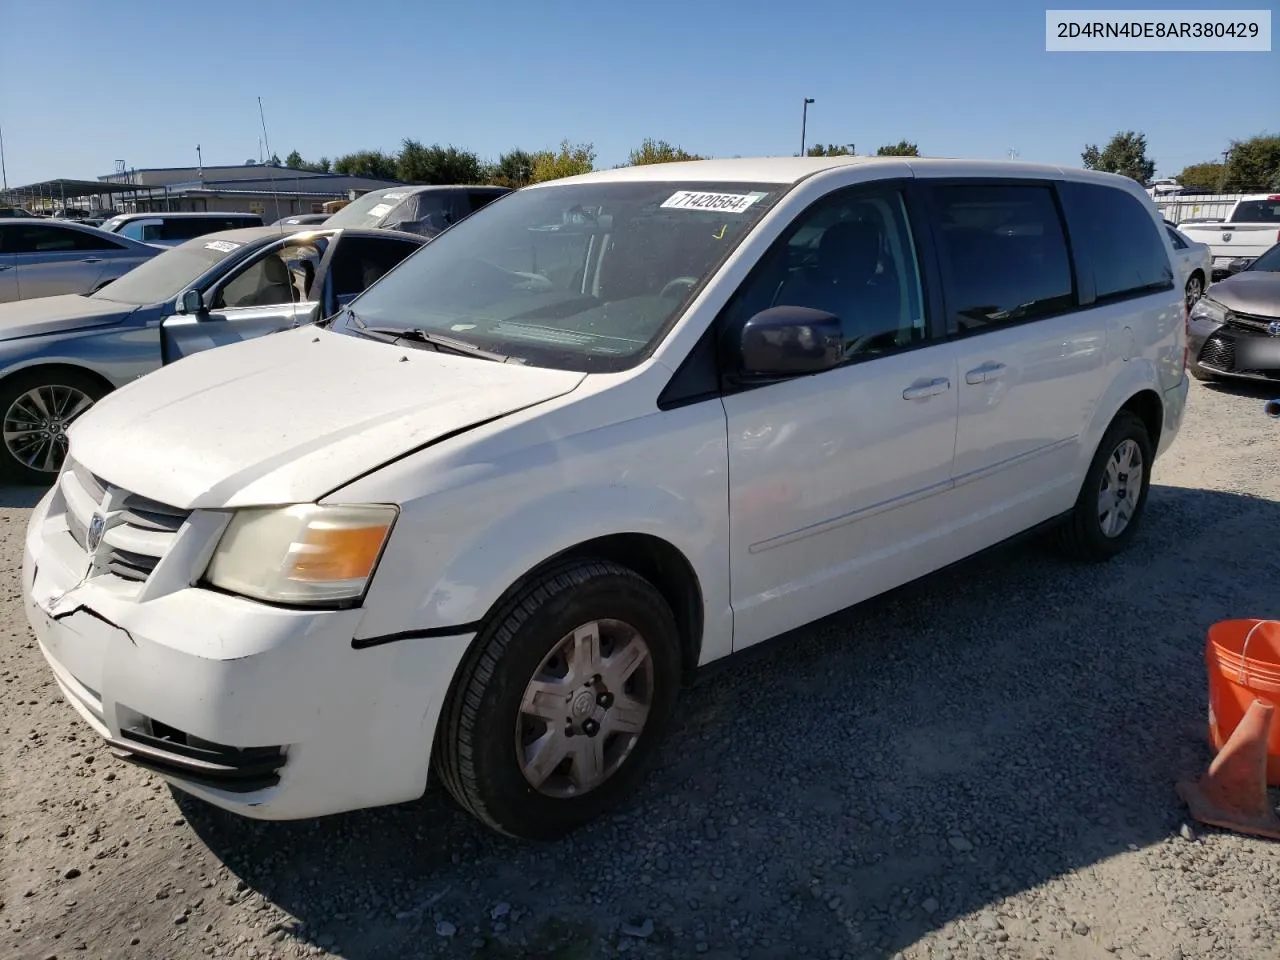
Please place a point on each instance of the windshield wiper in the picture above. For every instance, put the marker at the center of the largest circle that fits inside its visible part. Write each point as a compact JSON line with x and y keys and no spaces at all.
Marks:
{"x":443,"y":344}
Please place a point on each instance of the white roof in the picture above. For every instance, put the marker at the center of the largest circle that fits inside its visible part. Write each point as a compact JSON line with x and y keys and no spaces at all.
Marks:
{"x":785,"y":170}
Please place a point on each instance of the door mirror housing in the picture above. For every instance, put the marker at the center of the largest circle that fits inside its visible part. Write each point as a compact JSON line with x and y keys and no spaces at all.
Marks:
{"x":191,"y":302}
{"x":786,"y":342}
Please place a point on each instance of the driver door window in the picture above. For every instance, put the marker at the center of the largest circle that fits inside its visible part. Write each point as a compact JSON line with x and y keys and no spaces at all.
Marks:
{"x":283,"y":275}
{"x":852,"y":256}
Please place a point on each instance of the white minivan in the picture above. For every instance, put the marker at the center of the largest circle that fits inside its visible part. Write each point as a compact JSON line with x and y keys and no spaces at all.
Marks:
{"x":486,"y":520}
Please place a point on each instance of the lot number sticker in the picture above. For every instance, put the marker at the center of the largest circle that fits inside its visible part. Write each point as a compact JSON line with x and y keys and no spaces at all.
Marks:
{"x":716,"y":202}
{"x":222,"y":246}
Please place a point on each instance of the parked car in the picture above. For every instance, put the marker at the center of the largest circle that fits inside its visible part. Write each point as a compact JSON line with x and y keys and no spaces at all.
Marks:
{"x":12,"y":212}
{"x":44,"y":258}
{"x":1251,"y":227}
{"x":424,"y":210}
{"x":171,"y":229}
{"x":1235,"y":325}
{"x":1195,"y":262}
{"x":59,"y":355}
{"x":302,"y":218}
{"x":611,"y":428}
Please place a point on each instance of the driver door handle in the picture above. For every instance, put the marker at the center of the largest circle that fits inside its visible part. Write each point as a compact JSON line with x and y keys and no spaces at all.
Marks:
{"x":91,"y":260}
{"x":4,"y":267}
{"x":930,"y":388}
{"x":988,"y":371}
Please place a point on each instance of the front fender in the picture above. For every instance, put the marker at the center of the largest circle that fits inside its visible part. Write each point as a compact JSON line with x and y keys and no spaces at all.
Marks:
{"x":511,"y":544}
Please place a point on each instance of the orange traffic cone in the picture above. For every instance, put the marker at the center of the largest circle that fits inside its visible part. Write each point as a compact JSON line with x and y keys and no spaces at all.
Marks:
{"x":1233,"y":794}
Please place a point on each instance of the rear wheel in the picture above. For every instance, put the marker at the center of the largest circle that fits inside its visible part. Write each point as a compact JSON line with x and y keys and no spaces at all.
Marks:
{"x":38,"y":407}
{"x":1114,"y":495}
{"x":560,"y":705}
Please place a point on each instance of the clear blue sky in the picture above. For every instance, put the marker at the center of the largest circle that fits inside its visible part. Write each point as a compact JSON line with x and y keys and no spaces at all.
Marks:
{"x":84,"y":83}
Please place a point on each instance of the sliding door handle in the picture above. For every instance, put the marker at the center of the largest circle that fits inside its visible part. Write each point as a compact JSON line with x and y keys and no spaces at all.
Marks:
{"x":930,"y":388}
{"x":988,"y":371}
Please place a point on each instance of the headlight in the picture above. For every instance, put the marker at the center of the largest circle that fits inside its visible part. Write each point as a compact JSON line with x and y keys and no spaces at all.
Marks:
{"x":1206,"y":309}
{"x":307,"y":554}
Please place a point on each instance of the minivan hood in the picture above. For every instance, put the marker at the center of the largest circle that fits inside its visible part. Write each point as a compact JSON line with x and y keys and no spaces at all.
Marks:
{"x":1251,"y":291}
{"x":63,"y":314}
{"x":289,"y":417}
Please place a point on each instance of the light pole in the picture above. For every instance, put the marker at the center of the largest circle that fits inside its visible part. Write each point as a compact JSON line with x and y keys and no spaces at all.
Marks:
{"x":804,"y":122}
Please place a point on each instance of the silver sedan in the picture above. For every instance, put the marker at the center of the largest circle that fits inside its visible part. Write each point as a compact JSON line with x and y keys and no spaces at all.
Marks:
{"x":46,"y":258}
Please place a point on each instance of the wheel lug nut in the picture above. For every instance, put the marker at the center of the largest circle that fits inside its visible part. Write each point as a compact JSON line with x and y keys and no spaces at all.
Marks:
{"x":605,"y":699}
{"x":590,"y":728}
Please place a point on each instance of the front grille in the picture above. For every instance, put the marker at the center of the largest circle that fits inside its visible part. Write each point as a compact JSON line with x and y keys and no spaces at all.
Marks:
{"x":1218,"y":352}
{"x":139,"y":531}
{"x":1250,"y":322}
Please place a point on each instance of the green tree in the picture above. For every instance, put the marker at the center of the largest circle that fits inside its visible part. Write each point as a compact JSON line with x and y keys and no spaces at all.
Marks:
{"x":658,"y":151}
{"x":294,"y":160}
{"x":275,"y":160}
{"x":903,"y":148}
{"x":569,"y":161}
{"x":367,"y":163}
{"x":831,"y":150}
{"x":1210,"y":175}
{"x":1253,"y":165}
{"x":436,"y":164}
{"x":1125,"y":154}
{"x":514,"y":169}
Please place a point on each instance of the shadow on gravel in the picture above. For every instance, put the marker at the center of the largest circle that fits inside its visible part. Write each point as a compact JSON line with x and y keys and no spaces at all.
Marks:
{"x":868,"y":779}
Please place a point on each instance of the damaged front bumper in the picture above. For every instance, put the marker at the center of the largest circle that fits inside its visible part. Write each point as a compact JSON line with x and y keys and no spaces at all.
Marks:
{"x":265,"y":711}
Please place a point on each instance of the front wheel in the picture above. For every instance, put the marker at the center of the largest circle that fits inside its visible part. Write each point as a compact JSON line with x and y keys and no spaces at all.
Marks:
{"x":38,"y":407}
{"x":1114,"y":495}
{"x":1194,"y":289}
{"x":561,"y":703}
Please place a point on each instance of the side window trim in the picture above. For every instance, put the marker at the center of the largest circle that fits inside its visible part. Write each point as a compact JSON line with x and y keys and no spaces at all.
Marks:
{"x":1081,"y":276}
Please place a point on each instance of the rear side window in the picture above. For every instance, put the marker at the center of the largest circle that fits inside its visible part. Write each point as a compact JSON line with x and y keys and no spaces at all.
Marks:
{"x":359,"y":262}
{"x":1127,"y":254}
{"x":39,"y":238}
{"x":1004,"y":253}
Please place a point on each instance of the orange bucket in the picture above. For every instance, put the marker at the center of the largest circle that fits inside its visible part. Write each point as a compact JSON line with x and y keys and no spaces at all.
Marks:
{"x":1244,"y":665}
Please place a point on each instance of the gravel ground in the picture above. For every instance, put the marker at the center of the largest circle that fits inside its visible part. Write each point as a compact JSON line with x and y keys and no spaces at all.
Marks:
{"x":981,"y":766}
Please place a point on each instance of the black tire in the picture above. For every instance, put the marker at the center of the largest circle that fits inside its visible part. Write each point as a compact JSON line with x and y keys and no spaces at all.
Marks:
{"x":1082,"y":536}
{"x":1201,"y":374}
{"x":13,"y":469}
{"x":1194,"y":289}
{"x":475,"y":751}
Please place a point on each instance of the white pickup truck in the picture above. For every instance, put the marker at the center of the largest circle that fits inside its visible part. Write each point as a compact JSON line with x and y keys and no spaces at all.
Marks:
{"x":1249,"y":230}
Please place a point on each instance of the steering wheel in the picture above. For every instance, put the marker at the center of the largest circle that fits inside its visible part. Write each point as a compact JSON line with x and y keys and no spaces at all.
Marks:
{"x":672,"y":285}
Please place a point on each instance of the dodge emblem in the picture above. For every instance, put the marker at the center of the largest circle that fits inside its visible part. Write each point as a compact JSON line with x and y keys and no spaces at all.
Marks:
{"x":1273,"y":328}
{"x":1226,"y":238}
{"x":96,"y":527}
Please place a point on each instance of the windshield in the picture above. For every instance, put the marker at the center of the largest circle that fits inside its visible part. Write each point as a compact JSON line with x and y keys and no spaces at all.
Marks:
{"x":584,"y":276}
{"x":368,"y":210}
{"x":1268,"y":262}
{"x":166,"y":276}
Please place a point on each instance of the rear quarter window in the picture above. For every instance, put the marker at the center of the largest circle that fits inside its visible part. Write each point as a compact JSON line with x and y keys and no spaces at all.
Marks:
{"x":1120,"y":240}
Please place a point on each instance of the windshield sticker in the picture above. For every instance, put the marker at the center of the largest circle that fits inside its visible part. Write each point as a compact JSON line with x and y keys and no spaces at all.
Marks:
{"x":398,"y":195}
{"x":722,"y":202}
{"x":222,"y":246}
{"x":380,"y":209}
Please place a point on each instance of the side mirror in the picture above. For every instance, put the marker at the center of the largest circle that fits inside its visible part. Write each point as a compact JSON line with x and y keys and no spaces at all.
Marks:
{"x":1238,"y":264}
{"x":788,"y":342}
{"x":190,"y":302}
